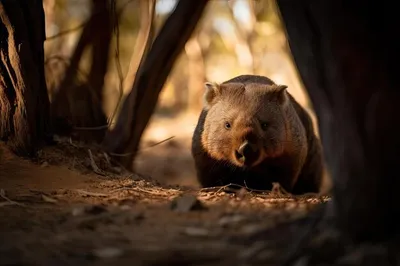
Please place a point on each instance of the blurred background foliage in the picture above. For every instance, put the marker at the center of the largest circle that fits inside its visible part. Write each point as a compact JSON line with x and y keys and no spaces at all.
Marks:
{"x":232,"y":38}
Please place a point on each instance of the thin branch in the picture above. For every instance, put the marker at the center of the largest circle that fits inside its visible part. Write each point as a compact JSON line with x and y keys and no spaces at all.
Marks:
{"x":150,"y":146}
{"x":117,"y":61}
{"x":142,"y":46}
{"x":142,"y":99}
{"x":9,"y":201}
{"x":62,"y":33}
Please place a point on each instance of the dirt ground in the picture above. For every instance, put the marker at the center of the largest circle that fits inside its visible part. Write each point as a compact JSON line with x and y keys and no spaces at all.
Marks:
{"x":71,"y":206}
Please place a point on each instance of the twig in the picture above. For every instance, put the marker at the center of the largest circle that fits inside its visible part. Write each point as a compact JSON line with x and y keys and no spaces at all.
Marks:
{"x":278,"y":190}
{"x":157,"y":143}
{"x":150,"y":146}
{"x":149,"y":191}
{"x":210,"y":189}
{"x":95,"y":168}
{"x":269,"y":192}
{"x":117,"y":62}
{"x":158,"y":192}
{"x":107,"y":158}
{"x":65,"y":32}
{"x":92,"y":128}
{"x":72,"y":144}
{"x":9,"y":201}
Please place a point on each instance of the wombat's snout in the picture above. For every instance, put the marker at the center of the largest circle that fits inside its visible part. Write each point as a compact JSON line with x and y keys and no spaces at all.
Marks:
{"x":247,"y":153}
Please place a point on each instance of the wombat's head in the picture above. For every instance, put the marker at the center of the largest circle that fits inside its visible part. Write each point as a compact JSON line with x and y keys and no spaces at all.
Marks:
{"x":245,"y":123}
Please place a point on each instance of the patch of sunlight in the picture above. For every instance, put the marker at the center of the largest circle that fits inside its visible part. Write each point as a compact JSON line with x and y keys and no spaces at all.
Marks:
{"x":165,"y":6}
{"x":266,"y":28}
{"x":224,"y":26}
{"x":241,"y":11}
{"x":158,"y":133}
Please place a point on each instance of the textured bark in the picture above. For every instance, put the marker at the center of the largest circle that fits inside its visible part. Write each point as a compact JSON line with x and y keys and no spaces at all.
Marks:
{"x":24,"y":103}
{"x":153,"y":71}
{"x":348,"y":59}
{"x":80,"y":104}
{"x":143,"y":41}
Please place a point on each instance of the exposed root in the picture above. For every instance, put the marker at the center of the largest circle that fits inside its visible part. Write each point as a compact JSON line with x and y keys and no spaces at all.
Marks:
{"x":95,"y":168}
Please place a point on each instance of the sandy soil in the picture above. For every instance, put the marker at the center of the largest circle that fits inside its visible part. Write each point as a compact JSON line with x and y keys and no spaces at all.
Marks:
{"x":73,"y":207}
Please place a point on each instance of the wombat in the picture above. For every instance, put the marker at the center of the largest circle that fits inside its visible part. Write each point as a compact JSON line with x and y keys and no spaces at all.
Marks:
{"x":252,"y":132}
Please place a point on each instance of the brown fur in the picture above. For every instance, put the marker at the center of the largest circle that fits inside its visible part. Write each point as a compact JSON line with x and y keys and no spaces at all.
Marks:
{"x":275,"y":132}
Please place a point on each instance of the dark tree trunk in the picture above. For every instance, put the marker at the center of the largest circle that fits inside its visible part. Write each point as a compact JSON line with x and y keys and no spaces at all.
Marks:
{"x":24,"y":103}
{"x":79,"y":104}
{"x":142,"y":46}
{"x":153,"y":71}
{"x":347,"y":53}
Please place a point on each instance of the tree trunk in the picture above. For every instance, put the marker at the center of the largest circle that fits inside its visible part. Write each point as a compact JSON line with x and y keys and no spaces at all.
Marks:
{"x":348,"y":59}
{"x":143,"y":41}
{"x":80,"y":104}
{"x":153,"y":71}
{"x":24,"y":103}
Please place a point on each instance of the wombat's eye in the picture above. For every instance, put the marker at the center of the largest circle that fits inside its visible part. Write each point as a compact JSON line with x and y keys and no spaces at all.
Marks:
{"x":227,"y":125}
{"x":264,"y":125}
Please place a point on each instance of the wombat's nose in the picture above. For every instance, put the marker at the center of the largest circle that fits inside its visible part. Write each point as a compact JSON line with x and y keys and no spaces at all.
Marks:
{"x":245,"y":151}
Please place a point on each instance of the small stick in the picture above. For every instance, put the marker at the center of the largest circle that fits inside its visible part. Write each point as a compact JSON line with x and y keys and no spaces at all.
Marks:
{"x":10,"y":202}
{"x":95,"y":168}
{"x":150,"y":146}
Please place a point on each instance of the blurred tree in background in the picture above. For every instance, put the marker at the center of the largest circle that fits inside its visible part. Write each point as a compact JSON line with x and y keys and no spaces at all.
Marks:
{"x":76,"y":102}
{"x":109,"y":64}
{"x":94,"y":49}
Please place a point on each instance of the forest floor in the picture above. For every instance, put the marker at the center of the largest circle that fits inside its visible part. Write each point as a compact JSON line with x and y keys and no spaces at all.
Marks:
{"x":70,"y":206}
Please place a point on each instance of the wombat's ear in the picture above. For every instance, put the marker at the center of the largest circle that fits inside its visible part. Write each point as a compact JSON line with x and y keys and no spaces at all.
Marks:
{"x":212,"y":90}
{"x":281,"y":94}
